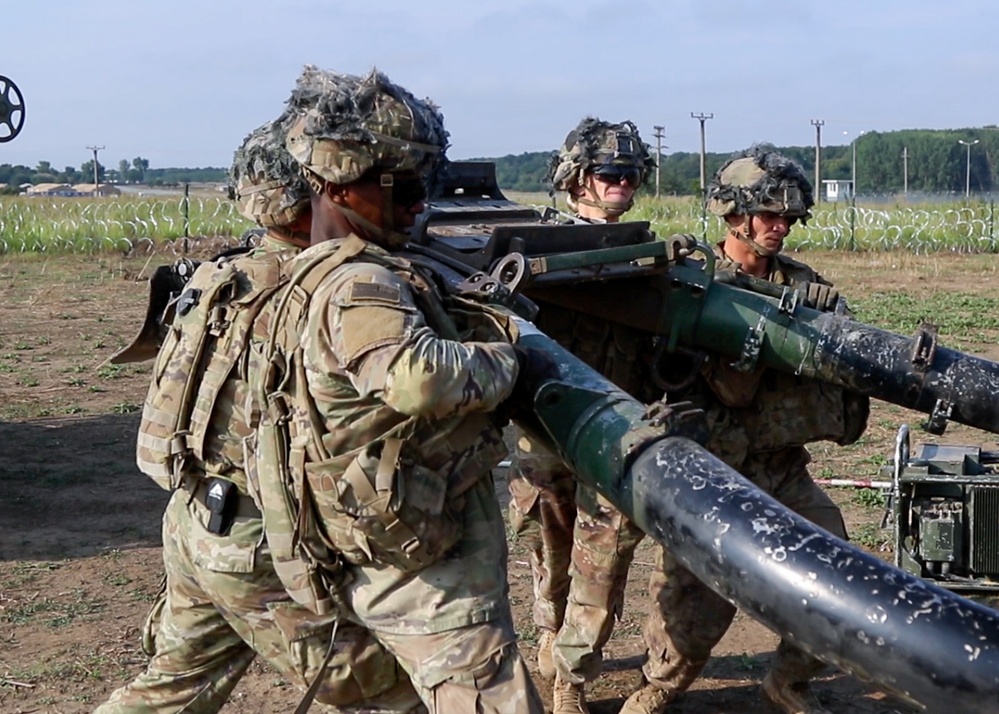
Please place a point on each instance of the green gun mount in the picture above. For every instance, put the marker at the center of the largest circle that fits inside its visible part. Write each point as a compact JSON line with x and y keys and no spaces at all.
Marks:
{"x":944,"y":508}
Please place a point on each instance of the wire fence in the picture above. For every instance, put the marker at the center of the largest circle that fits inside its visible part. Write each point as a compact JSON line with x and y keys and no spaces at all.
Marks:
{"x":870,"y":224}
{"x":124,"y":224}
{"x":172,"y":223}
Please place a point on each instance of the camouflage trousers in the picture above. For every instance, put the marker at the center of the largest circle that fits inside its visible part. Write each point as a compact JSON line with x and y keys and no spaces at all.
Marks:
{"x":689,"y":619}
{"x":222,"y":604}
{"x":449,"y":624}
{"x":581,"y":548}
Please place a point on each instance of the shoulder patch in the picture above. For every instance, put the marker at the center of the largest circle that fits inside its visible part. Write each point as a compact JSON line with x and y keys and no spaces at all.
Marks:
{"x":375,"y":292}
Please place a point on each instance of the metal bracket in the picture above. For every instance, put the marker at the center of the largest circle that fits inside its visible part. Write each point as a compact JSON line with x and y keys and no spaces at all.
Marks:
{"x":481,"y":286}
{"x":924,"y":347}
{"x":751,"y":347}
{"x":937,"y":423}
{"x":788,"y":301}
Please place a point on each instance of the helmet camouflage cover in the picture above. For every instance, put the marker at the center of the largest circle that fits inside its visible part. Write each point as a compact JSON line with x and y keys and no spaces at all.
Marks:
{"x":264,"y":179}
{"x":350,"y":125}
{"x":760,"y":180}
{"x":592,"y":143}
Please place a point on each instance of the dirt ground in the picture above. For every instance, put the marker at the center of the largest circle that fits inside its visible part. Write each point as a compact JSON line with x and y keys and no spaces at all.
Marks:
{"x":79,"y":526}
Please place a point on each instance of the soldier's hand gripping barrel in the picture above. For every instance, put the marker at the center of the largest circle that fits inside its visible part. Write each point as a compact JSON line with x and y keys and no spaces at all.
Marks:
{"x":847,"y":607}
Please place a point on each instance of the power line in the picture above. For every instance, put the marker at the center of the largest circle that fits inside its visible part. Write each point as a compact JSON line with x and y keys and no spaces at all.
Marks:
{"x":660,"y":134}
{"x":818,"y":124}
{"x":97,"y":186}
{"x":702,"y":117}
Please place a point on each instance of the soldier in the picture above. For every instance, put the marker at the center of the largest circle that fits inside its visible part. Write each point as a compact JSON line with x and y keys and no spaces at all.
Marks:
{"x":579,"y":562}
{"x":759,"y":424}
{"x":389,"y":395}
{"x":222,"y":602}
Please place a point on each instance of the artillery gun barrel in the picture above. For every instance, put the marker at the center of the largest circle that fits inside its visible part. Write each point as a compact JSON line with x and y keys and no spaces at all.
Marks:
{"x":846,"y":607}
{"x":688,"y":308}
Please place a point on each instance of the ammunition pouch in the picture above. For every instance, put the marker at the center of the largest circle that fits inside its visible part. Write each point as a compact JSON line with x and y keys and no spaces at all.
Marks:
{"x":375,"y":505}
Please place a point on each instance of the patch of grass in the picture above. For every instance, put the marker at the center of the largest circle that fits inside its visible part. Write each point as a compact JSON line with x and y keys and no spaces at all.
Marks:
{"x":973,"y":317}
{"x":872,"y":537}
{"x":23,"y":573}
{"x":869,"y":498}
{"x":125,"y":408}
{"x":110,"y":371}
{"x":74,"y":409}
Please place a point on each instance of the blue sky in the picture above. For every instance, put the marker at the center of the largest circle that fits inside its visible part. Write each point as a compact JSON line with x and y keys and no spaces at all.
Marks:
{"x":181,"y":82}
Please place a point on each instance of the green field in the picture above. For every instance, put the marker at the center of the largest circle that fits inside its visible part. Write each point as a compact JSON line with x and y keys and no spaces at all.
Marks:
{"x":127,"y":223}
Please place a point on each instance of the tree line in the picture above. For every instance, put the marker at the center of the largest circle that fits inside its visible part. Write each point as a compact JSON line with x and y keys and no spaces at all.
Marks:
{"x":136,"y":171}
{"x":921,"y":160}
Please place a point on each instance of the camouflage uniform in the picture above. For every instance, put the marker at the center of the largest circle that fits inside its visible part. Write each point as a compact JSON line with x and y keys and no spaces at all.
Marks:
{"x":222,"y":602}
{"x":400,"y":388}
{"x":580,"y":545}
{"x":759,"y":424}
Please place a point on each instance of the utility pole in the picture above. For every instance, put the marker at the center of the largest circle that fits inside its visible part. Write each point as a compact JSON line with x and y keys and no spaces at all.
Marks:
{"x":97,"y":186}
{"x":818,"y":123}
{"x":905,"y":170}
{"x":701,"y":117}
{"x":660,"y":134}
{"x":967,"y":174}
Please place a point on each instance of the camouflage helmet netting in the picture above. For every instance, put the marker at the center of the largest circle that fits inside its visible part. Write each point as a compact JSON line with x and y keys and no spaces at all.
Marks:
{"x":594,"y":142}
{"x":760,"y":179}
{"x":264,"y":180}
{"x":355,"y":124}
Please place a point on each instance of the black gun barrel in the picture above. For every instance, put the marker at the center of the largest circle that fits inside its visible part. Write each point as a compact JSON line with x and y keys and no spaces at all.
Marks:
{"x":850,"y":609}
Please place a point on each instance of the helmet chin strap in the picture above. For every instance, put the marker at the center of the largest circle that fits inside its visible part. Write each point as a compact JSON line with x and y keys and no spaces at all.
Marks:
{"x":385,"y":235}
{"x":387,"y":238}
{"x":745,"y":234}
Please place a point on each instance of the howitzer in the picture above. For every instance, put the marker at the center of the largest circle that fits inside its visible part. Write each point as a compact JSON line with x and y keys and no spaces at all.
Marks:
{"x":644,"y":285}
{"x":839,"y":603}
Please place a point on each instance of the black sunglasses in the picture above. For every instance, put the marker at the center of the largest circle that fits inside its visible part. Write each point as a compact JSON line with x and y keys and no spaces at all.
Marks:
{"x":617,"y":174}
{"x":408,"y":192}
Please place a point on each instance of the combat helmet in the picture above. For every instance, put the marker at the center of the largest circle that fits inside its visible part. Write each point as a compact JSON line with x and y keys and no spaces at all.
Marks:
{"x":592,"y":144}
{"x":355,"y":126}
{"x":264,"y":180}
{"x":760,"y":180}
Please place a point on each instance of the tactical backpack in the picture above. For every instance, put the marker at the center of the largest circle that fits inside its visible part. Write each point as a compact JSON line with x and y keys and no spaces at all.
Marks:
{"x":207,"y":337}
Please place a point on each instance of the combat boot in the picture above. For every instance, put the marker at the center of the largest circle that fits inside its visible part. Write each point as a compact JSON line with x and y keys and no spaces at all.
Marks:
{"x":568,"y":698}
{"x":790,"y":697}
{"x":546,"y":665}
{"x":649,"y":699}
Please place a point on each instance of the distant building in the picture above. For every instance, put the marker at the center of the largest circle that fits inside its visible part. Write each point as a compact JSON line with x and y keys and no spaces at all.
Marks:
{"x":51,"y":189}
{"x":87,"y":189}
{"x":834,"y":190}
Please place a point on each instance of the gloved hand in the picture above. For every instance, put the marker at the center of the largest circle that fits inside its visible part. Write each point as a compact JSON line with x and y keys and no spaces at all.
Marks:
{"x":680,"y":245}
{"x":535,"y":367}
{"x":818,"y":296}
